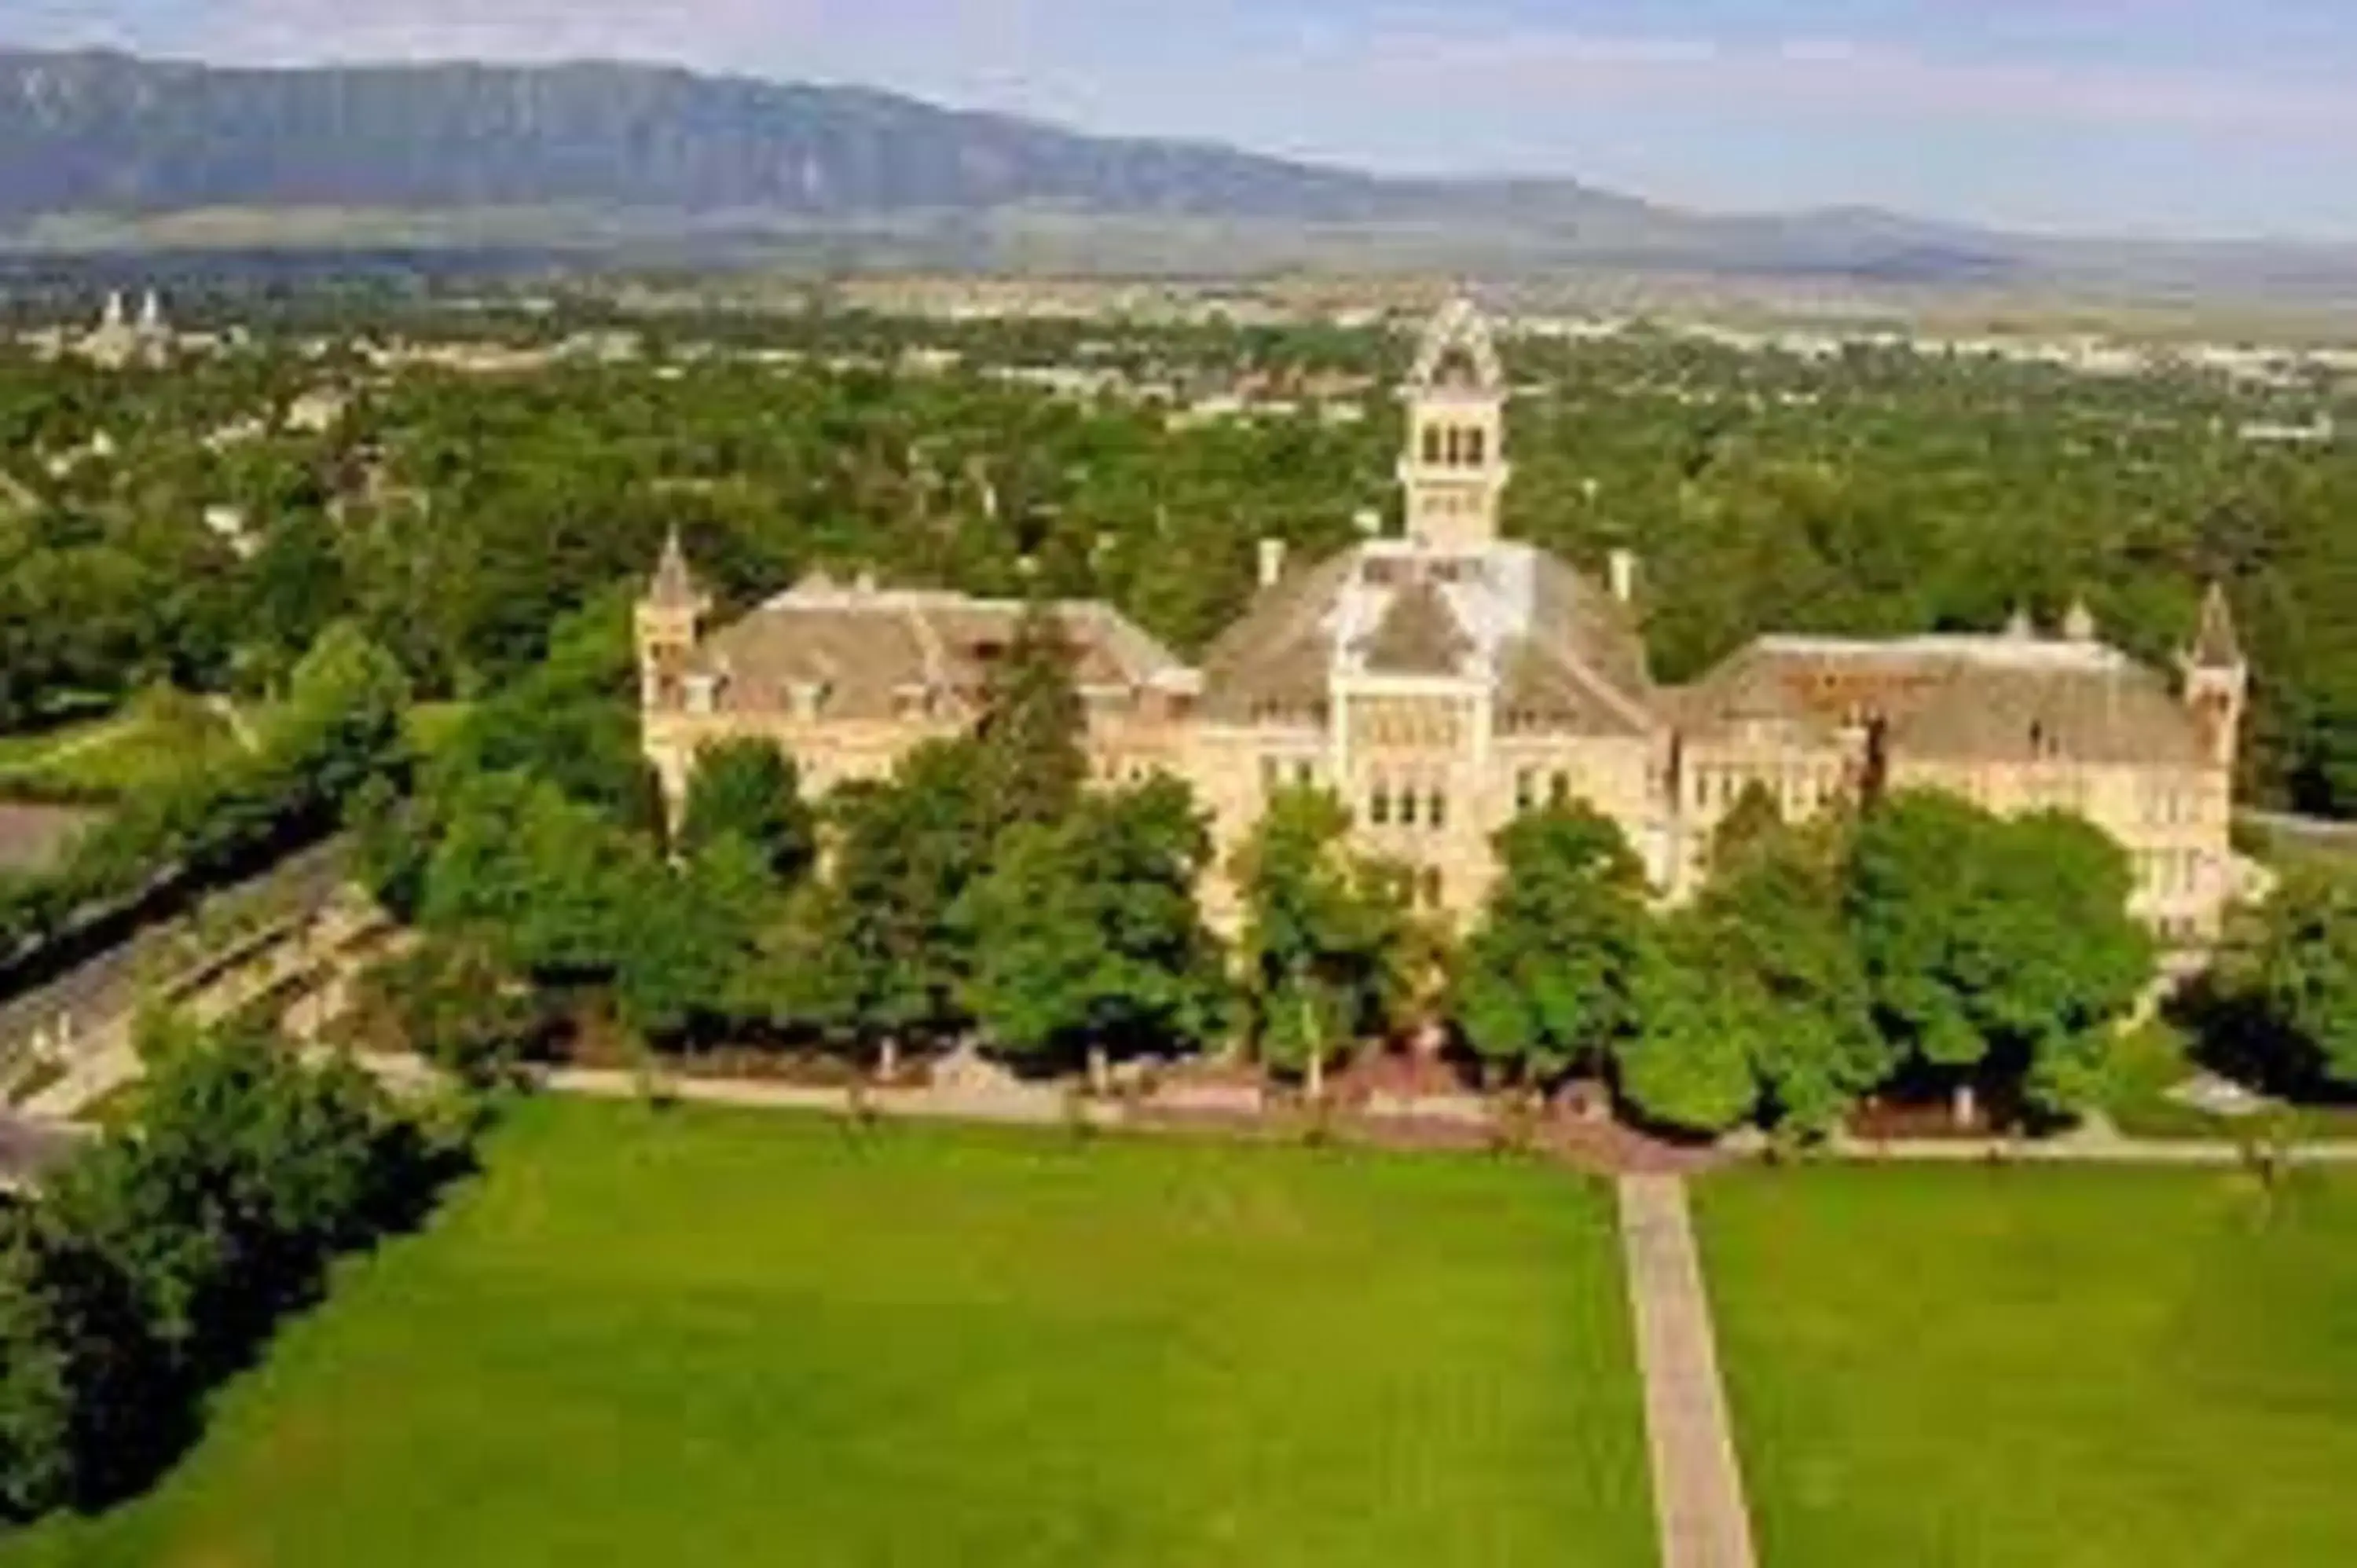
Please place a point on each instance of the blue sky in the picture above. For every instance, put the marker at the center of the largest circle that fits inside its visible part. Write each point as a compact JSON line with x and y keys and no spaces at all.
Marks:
{"x":2146,"y":116}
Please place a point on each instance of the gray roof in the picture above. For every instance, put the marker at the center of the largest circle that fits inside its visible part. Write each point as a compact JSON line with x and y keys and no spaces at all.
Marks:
{"x":1559,"y":652}
{"x":1995,"y":699}
{"x":860,"y":652}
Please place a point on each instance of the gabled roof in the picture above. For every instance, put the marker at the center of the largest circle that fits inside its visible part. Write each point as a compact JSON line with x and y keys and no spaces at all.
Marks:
{"x":1418,"y":635}
{"x":861,"y":651}
{"x":1556,"y":650}
{"x":1969,"y":699}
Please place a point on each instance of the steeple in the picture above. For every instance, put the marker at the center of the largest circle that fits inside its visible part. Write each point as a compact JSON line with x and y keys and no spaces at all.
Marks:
{"x":1454,"y":470}
{"x":2217,"y":677}
{"x":667,"y":626}
{"x":2215,"y":646}
{"x":673,"y":587}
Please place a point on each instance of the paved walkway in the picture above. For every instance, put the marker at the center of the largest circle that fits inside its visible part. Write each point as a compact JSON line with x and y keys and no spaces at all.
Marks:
{"x":1698,"y":1503}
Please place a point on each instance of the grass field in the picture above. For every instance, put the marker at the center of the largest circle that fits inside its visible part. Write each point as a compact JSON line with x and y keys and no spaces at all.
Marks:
{"x":710,"y":1337}
{"x":2048,"y":1369}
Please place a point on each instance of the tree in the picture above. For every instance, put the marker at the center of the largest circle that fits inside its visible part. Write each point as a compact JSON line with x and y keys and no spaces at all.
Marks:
{"x":1996,"y":949}
{"x":1689,"y":1064}
{"x":1088,"y":936}
{"x":748,"y":789}
{"x":1544,"y":982}
{"x":1033,"y":723}
{"x":2303,"y":975}
{"x":451,"y":1001}
{"x":552,"y":885}
{"x":887,"y":959}
{"x":698,"y":926}
{"x":341,"y":724}
{"x":1771,"y":925}
{"x":1327,"y":935}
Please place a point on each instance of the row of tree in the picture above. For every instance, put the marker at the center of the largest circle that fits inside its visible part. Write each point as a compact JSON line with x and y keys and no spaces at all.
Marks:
{"x":981,"y":891}
{"x":160,"y":1255}
{"x":227,"y":816}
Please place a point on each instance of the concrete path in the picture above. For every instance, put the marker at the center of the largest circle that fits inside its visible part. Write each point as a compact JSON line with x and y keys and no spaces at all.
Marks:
{"x":1697,"y":1485}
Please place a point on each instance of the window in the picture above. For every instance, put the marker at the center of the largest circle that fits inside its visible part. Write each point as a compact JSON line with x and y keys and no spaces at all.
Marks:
{"x":1525,"y":788}
{"x":1431,"y":887}
{"x":1408,"y":807}
{"x":1304,"y":774}
{"x":1476,"y":446}
{"x":1379,"y":806}
{"x":1559,"y":788}
{"x":1436,"y":809}
{"x":1432,"y":446}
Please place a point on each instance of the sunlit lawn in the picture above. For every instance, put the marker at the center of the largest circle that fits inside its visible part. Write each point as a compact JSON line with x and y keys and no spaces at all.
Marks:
{"x":2064,"y":1369}
{"x":712,"y":1337}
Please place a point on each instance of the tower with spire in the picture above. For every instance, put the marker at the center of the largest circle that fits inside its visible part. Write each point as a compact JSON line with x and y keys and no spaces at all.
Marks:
{"x":2217,"y":677}
{"x":1453,"y":471}
{"x":668,"y":621}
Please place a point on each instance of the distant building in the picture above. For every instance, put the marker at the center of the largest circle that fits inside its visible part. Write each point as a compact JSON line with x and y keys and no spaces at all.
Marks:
{"x":1442,"y":681}
{"x":118,"y":342}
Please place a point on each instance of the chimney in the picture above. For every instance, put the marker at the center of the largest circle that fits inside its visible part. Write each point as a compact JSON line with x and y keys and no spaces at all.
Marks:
{"x":1624,"y":575}
{"x":1271,"y":562}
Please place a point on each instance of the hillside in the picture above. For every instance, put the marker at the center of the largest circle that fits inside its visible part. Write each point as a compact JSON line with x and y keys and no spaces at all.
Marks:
{"x":102,"y":150}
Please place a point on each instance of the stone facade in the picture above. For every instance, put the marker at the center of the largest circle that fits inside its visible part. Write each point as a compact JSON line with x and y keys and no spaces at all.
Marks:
{"x":1442,"y":681}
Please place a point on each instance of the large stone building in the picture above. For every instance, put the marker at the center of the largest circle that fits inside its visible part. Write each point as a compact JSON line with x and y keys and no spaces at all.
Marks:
{"x":1442,"y":681}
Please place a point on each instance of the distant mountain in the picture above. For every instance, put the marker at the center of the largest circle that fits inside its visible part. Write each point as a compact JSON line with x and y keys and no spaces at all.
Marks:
{"x":112,"y":132}
{"x":105,"y":148}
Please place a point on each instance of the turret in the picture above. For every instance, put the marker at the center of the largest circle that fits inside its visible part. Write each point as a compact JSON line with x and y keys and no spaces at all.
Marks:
{"x":2217,"y":677}
{"x":1454,"y":468}
{"x":667,"y":621}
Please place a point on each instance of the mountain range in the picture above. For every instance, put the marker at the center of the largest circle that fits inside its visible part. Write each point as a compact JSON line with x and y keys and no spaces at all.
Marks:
{"x":96,"y":143}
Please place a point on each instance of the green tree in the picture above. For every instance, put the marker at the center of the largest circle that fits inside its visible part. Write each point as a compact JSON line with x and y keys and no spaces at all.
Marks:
{"x":748,"y":789}
{"x":1996,"y":951}
{"x":1690,"y":1063}
{"x":1772,"y":924}
{"x":1033,"y":725}
{"x":1328,"y":935}
{"x":1088,"y":936}
{"x":451,"y":1001}
{"x":2303,"y":974}
{"x":1544,"y":982}
{"x":887,"y":961}
{"x":698,"y":929}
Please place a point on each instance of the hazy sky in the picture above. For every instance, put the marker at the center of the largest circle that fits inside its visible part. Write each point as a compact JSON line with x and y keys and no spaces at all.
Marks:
{"x":2168,"y":116}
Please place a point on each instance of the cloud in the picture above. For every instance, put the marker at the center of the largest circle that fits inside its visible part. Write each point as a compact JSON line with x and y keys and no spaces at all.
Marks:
{"x":1832,"y":76}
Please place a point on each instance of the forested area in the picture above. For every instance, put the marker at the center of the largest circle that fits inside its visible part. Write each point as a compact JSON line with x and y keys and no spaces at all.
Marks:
{"x":454,"y":518}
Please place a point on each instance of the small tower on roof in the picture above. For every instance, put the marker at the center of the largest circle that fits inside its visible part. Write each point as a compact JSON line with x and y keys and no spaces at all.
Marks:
{"x":1454,"y":470}
{"x":668,"y":621}
{"x":2217,"y":677}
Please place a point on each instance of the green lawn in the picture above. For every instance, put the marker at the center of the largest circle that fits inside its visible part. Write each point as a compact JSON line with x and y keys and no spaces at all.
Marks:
{"x":711,"y":1338}
{"x":2040,"y":1368}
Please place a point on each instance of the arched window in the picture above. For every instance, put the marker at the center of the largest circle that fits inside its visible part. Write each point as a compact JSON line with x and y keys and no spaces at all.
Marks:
{"x":1436,"y":809}
{"x":1476,"y":447}
{"x":1432,"y":446}
{"x":1379,"y":806}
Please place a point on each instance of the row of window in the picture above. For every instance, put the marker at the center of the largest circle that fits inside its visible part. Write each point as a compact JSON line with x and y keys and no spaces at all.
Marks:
{"x":1455,"y":446}
{"x":2169,"y":872}
{"x":1408,"y":806}
{"x":1795,"y":791}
